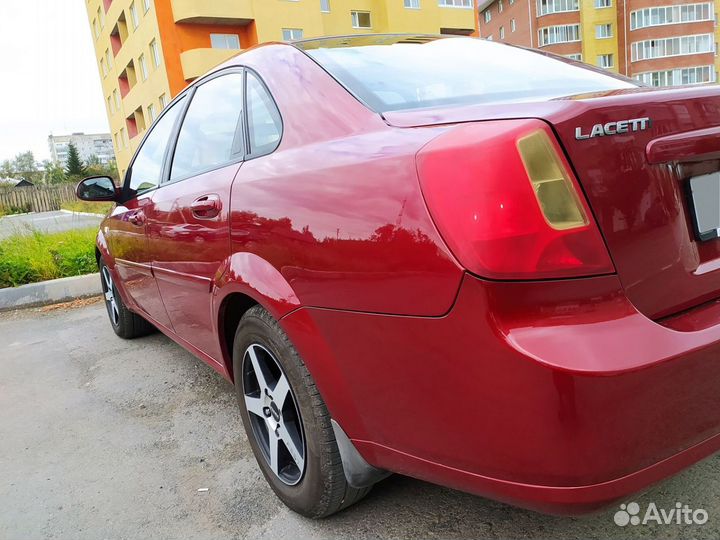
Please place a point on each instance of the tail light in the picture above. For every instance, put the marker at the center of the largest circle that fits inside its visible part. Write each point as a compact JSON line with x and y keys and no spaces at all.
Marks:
{"x":506,"y":202}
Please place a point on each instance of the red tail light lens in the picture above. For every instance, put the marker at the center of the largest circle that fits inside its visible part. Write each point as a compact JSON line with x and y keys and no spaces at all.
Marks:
{"x":507,"y":203}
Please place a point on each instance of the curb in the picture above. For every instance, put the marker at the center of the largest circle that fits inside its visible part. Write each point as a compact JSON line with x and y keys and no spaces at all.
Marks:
{"x":16,"y":215}
{"x":50,"y":292}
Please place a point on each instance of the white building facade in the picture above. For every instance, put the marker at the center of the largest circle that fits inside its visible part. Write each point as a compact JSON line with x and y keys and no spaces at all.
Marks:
{"x":88,"y":145}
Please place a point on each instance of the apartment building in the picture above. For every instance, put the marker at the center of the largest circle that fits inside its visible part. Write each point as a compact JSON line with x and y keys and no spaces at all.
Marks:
{"x":148,"y":50}
{"x":658,"y":42}
{"x":98,"y":145}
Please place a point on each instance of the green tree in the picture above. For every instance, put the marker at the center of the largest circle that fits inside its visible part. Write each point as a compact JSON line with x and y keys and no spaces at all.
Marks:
{"x":95,"y":168}
{"x":54,"y":173}
{"x":6,"y":169}
{"x":26,"y":168}
{"x":74,"y":166}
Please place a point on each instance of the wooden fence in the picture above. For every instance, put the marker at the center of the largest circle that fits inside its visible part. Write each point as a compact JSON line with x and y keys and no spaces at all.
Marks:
{"x":36,"y":198}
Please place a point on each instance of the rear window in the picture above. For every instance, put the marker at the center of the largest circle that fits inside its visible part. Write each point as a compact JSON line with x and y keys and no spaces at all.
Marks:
{"x":402,"y":72}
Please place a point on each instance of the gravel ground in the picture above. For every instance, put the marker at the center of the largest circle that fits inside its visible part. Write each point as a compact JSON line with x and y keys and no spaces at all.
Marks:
{"x":105,"y":438}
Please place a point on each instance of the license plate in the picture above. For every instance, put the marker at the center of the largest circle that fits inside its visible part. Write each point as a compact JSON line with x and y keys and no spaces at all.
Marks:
{"x":705,"y":197}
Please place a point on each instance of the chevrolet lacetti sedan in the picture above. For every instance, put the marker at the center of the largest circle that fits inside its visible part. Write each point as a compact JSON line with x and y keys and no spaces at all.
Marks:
{"x":474,"y":264}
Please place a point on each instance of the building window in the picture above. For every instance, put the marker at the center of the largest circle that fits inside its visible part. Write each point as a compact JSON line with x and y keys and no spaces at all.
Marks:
{"x":134,"y":16}
{"x":512,"y":25}
{"x":109,"y":104}
{"x":96,"y":30}
{"x":325,"y":6}
{"x":163,"y":101}
{"x":565,"y":33}
{"x":489,"y":38}
{"x":224,"y":41}
{"x":545,"y":7}
{"x":500,"y":6}
{"x":123,"y":137}
{"x":603,"y":31}
{"x":575,"y":56}
{"x":412,"y":4}
{"x":108,"y":58}
{"x":143,"y":67}
{"x":116,"y":99}
{"x":659,"y":16}
{"x":511,"y":2}
{"x":360,"y":19}
{"x":152,"y":114}
{"x":502,"y":32}
{"x":678,"y":77}
{"x":103,"y":67}
{"x":675,"y":46}
{"x":488,"y":16}
{"x":155,"y":53}
{"x":599,"y":4}
{"x":146,"y":6}
{"x":605,"y":61}
{"x":290,"y":34}
{"x":456,"y":3}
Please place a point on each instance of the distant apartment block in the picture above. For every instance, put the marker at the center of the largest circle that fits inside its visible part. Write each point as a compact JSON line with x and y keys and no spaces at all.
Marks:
{"x":88,"y":145}
{"x":657,"y":42}
{"x":147,"y":51}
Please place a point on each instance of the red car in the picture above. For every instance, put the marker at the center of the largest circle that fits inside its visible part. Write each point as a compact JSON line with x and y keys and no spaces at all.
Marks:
{"x":479,"y":265}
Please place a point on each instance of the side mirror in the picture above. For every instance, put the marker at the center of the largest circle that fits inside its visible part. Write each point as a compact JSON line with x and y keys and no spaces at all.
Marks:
{"x":97,"y":188}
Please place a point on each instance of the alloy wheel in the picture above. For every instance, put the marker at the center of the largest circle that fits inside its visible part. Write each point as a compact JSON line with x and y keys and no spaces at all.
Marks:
{"x":274,"y":414}
{"x":110,"y":301}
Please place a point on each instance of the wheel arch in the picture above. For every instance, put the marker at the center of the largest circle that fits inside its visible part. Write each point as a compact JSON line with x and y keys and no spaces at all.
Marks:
{"x":248,"y":280}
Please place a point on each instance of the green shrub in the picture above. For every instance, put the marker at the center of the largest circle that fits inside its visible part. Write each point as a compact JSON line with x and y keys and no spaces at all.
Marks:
{"x":12,"y":209}
{"x":38,"y":256}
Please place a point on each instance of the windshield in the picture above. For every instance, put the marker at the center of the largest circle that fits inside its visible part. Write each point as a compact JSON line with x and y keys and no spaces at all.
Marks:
{"x":406,"y":72}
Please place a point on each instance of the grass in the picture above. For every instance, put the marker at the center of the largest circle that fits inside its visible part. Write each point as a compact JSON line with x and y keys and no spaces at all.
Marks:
{"x":103,"y":208}
{"x":38,"y":256}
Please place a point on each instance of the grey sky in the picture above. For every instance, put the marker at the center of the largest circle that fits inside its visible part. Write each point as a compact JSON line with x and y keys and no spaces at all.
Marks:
{"x":49,"y":81}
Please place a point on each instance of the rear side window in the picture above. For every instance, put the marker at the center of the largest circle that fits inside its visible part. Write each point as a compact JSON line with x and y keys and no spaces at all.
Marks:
{"x":407,"y":72}
{"x":264,"y":123}
{"x":211,"y":133}
{"x":147,"y":168}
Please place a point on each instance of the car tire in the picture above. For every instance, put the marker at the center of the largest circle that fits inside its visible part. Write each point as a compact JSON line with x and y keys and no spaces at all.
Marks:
{"x":125,"y":323}
{"x":321,"y":488}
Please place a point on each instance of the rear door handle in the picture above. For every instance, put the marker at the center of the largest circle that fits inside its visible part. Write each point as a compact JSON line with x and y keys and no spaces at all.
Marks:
{"x":207,"y":206}
{"x":137,"y":218}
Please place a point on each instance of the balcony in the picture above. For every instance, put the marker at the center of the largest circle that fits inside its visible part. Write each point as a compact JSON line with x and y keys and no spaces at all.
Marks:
{"x":127,"y":79}
{"x":119,"y":34}
{"x":232,"y":12}
{"x":196,"y":62}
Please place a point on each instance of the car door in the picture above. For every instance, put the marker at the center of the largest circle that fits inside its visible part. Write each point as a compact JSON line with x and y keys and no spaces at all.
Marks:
{"x":188,"y":218}
{"x":127,"y":227}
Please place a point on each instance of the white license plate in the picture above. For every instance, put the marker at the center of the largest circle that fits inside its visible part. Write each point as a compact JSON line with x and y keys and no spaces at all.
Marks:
{"x":705,"y":199}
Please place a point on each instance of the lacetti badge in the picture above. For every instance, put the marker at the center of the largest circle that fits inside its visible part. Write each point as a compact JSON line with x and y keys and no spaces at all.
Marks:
{"x":614,"y":128}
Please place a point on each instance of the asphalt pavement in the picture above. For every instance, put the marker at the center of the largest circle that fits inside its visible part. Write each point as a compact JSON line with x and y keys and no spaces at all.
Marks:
{"x":56,"y":221}
{"x":105,"y":438}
